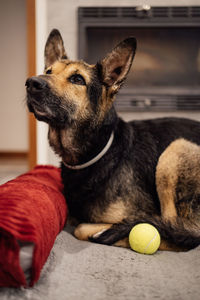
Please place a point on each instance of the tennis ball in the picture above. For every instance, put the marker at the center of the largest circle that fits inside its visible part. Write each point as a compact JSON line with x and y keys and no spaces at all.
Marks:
{"x":144,"y":238}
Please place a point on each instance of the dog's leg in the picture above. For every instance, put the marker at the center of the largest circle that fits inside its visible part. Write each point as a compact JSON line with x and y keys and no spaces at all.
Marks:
{"x":166,"y":182}
{"x":174,"y":235}
{"x":165,"y":246}
{"x":167,"y":203}
{"x":85,"y":231}
{"x":123,"y":243}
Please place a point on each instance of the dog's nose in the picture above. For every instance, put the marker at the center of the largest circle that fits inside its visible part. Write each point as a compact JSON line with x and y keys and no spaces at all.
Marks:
{"x":35,"y":84}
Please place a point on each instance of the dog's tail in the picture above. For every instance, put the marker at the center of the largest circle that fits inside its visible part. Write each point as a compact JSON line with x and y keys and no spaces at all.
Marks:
{"x":181,"y":232}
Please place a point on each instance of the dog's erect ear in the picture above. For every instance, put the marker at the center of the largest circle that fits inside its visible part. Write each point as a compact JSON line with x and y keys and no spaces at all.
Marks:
{"x":116,"y":65}
{"x":54,"y":48}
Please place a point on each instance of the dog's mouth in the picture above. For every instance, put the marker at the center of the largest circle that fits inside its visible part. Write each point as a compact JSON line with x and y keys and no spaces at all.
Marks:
{"x":41,"y":111}
{"x":49,"y":112}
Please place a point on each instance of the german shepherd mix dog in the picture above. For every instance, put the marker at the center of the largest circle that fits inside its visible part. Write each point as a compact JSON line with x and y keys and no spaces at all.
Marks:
{"x":117,"y":174}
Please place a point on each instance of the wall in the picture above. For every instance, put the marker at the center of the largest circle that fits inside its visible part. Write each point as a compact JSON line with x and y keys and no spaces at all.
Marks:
{"x":13,"y":115}
{"x":62,"y":14}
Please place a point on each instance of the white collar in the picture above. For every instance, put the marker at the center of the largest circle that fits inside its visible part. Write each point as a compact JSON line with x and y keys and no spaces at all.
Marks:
{"x":95,"y":159}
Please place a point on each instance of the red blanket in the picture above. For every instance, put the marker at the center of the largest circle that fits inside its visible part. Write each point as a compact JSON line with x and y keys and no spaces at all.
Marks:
{"x":32,"y":209}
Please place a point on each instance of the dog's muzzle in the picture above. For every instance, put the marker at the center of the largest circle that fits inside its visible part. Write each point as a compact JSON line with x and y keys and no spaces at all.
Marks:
{"x":37,"y":89}
{"x":44,"y":104}
{"x":35,"y":85}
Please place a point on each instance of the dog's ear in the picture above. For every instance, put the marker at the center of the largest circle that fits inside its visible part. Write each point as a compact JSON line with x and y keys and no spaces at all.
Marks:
{"x":116,"y":65}
{"x":54,"y":48}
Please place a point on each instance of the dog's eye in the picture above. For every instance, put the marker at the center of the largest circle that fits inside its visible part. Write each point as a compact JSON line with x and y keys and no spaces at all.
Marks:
{"x":77,"y":79}
{"x":49,"y":71}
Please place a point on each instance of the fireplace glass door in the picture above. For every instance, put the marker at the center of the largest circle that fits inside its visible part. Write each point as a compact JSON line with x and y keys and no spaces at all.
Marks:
{"x":165,"y":74}
{"x":165,"y":57}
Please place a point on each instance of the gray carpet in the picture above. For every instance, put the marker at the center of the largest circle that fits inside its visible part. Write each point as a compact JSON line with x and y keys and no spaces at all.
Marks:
{"x":82,"y":270}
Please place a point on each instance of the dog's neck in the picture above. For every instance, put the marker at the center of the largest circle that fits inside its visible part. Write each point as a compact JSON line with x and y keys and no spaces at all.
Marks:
{"x":78,"y":145}
{"x":94,"y":159}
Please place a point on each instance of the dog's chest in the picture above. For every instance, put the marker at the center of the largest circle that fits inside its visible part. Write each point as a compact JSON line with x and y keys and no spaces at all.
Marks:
{"x":101,"y":198}
{"x":113,"y":212}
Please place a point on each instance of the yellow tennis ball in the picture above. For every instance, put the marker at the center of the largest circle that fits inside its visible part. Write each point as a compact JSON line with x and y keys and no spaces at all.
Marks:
{"x":144,"y":238}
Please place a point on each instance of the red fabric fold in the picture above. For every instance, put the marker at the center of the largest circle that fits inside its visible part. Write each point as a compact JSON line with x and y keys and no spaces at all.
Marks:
{"x":32,"y":209}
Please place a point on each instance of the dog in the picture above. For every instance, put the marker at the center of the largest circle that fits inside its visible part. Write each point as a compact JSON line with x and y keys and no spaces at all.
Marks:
{"x":117,"y":174}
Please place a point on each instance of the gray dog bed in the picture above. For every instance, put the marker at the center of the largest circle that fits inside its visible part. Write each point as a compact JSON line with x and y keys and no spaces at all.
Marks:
{"x":82,"y":270}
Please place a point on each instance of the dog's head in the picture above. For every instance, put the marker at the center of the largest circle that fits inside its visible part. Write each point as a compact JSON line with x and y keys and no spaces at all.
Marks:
{"x":74,"y":91}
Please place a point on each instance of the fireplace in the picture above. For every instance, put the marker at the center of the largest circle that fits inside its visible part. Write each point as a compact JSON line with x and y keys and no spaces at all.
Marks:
{"x":165,"y":75}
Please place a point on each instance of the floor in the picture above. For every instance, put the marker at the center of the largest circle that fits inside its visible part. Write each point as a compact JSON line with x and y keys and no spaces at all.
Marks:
{"x":11,"y":168}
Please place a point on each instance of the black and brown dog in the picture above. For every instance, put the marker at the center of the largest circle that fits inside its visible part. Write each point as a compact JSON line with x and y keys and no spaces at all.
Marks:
{"x":117,"y":174}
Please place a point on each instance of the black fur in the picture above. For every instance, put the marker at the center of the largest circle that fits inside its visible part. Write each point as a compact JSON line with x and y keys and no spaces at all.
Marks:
{"x":139,"y":145}
{"x":82,"y":118}
{"x":45,"y":100}
{"x":94,"y":89}
{"x":175,"y":234}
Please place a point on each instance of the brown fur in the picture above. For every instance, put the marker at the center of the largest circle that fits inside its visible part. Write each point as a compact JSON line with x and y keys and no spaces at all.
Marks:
{"x":114,"y":213}
{"x":62,"y":70}
{"x":178,"y":166}
{"x":84,"y":231}
{"x":180,"y":159}
{"x":54,"y":50}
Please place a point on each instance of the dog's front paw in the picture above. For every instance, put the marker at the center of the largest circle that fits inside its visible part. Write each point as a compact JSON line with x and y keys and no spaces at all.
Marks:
{"x":102,"y":237}
{"x":116,"y":235}
{"x":106,"y":237}
{"x":85,"y":231}
{"x":98,"y":234}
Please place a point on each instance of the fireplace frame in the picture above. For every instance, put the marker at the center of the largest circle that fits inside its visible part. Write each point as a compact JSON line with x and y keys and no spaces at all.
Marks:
{"x":153,"y":100}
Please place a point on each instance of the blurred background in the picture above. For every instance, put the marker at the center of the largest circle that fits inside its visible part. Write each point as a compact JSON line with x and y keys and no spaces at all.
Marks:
{"x":164,"y":79}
